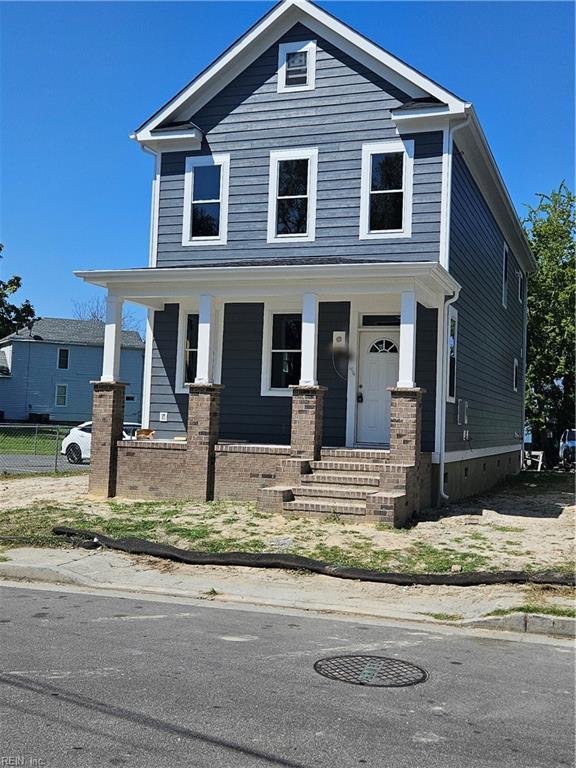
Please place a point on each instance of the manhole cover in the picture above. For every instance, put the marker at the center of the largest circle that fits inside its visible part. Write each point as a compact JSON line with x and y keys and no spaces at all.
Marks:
{"x":371,"y":670}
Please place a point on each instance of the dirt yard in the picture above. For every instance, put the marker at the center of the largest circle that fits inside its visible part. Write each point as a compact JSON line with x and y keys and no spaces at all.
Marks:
{"x":529,"y":523}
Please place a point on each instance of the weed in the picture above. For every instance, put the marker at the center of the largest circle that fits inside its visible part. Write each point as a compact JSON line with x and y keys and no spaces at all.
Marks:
{"x":443,"y":616}
{"x":506,"y":528}
{"x":549,"y":610}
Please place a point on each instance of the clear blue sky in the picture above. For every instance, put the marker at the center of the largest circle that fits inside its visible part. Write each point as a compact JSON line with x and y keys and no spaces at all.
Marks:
{"x":77,"y":78}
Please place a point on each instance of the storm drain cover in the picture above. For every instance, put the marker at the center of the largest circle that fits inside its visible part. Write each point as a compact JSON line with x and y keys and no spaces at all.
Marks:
{"x":371,"y":670}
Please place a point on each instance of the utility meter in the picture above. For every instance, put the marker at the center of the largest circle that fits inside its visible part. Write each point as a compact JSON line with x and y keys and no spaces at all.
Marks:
{"x":339,"y":341}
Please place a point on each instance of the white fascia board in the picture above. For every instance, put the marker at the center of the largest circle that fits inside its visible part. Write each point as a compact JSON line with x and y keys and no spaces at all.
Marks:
{"x":266,"y":32}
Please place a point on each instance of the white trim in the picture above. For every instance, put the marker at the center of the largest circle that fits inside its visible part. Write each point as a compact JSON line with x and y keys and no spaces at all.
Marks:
{"x":505,"y":270}
{"x":300,"y":153}
{"x":352,"y":382}
{"x":223,"y":160}
{"x":452,"y":314}
{"x":155,"y":210}
{"x":58,"y":366}
{"x":407,"y":356}
{"x":272,"y":308}
{"x":520,"y":285}
{"x":147,"y":373}
{"x":445,"y":206}
{"x":56,"y":403}
{"x":476,"y":453}
{"x":515,"y":375}
{"x":307,"y":46}
{"x":384,"y":147}
{"x":268,"y":30}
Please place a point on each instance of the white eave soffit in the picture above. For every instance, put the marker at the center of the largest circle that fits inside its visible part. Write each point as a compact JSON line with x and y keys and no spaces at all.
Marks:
{"x":264,"y":34}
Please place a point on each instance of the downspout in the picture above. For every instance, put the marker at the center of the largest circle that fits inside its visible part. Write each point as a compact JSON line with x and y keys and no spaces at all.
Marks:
{"x":447,"y":302}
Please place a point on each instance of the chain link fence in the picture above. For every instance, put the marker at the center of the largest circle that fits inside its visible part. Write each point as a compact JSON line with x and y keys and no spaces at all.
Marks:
{"x":34,"y":448}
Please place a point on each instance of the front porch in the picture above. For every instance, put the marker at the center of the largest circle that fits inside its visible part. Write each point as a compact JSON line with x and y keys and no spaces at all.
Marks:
{"x":235,"y":381}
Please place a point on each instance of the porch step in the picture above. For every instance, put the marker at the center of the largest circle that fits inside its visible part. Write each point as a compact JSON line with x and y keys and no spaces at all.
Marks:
{"x":346,"y":478}
{"x":326,"y":506}
{"x":357,"y":454}
{"x":344,"y":466}
{"x":332,"y":491}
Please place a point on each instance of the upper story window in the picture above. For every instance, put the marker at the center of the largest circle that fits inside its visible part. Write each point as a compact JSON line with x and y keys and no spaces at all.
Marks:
{"x":520,"y":277}
{"x":292,"y":195}
{"x":206,"y":200}
{"x":63,"y":358}
{"x":505,"y":258}
{"x":515,"y":375}
{"x":386,"y":192}
{"x":297,"y":66}
{"x":452,"y":353}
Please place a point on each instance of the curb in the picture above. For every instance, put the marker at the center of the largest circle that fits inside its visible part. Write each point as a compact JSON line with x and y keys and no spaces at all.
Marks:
{"x":528,"y":623}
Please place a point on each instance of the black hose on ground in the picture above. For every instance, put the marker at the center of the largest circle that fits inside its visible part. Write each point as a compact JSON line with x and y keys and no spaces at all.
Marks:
{"x":298,"y":563}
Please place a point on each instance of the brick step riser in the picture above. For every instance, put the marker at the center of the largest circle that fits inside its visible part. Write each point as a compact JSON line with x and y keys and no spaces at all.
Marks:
{"x":345,"y":466}
{"x":344,"y":455}
{"x":350,"y":480}
{"x":355,"y":509}
{"x":336,"y":494}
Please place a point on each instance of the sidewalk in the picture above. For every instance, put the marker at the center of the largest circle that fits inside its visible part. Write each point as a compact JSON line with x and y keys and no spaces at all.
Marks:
{"x":457,"y":606}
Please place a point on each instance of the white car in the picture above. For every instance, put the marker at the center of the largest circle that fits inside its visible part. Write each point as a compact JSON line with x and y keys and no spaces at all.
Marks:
{"x":76,"y":444}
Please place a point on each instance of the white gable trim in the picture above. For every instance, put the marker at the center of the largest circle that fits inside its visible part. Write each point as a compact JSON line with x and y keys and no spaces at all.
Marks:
{"x":266,"y":32}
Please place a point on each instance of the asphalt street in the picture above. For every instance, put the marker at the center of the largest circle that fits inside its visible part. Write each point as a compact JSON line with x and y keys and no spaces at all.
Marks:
{"x":89,"y":680}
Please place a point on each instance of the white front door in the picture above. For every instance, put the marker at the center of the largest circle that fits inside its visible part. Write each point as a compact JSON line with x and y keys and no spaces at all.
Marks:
{"x":377,"y":370}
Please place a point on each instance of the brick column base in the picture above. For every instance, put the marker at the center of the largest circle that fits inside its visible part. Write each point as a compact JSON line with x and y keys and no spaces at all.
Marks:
{"x":107,"y":422}
{"x":406,"y":425}
{"x":203,"y":430}
{"x":307,"y":419}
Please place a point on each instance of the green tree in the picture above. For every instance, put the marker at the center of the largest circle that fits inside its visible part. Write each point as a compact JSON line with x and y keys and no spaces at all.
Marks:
{"x":551,"y":229}
{"x":13,"y":316}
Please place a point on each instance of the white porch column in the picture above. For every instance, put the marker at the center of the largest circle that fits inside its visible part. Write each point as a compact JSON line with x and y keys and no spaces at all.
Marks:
{"x":206,"y":333}
{"x":309,"y":340}
{"x":407,"y":364}
{"x":112,"y":337}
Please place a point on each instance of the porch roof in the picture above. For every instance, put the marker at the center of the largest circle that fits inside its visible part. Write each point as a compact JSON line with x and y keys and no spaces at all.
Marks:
{"x":153,"y":286}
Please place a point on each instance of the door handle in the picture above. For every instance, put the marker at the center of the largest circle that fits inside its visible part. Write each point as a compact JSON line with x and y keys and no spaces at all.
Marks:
{"x":359,"y":397}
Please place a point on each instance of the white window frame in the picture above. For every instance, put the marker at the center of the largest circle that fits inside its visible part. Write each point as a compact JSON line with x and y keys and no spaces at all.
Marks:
{"x":384,"y":147}
{"x":276,"y":156}
{"x":266,"y":390}
{"x":186,"y":309}
{"x":505,"y":266}
{"x":520,"y":278}
{"x":515,"y":375}
{"x":56,"y":403}
{"x":452,"y":315}
{"x":223,"y":160}
{"x":58,"y":366}
{"x":308,"y":46}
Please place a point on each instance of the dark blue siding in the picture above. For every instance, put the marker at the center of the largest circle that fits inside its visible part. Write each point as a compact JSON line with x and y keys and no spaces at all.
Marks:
{"x":489,"y":336}
{"x":350,"y":106}
{"x":426,"y":334}
{"x":162,"y":396}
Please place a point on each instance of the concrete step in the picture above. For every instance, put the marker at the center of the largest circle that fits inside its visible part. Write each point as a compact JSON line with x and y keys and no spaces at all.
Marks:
{"x":326,"y":506}
{"x":329,"y":478}
{"x":332,"y":491}
{"x":344,"y":466}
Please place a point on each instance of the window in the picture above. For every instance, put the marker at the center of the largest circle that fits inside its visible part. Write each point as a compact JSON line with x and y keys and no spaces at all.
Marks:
{"x":282,"y":354}
{"x":383,"y":345}
{"x":505,"y":276}
{"x":292,"y":195}
{"x":386,"y":195}
{"x":206,"y":200}
{"x":61,"y":395}
{"x":63,"y":358}
{"x":515,"y":376}
{"x":452,"y":353}
{"x":191,"y":349}
{"x":371,"y":321}
{"x":520,"y":277}
{"x":297,"y":66}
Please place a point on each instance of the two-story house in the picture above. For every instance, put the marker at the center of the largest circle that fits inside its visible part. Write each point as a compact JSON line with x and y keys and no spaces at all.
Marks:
{"x":46,"y":370}
{"x":336,"y":288}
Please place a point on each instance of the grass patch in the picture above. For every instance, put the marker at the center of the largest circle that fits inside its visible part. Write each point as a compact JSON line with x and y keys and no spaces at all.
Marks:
{"x":443,"y":616}
{"x":506,"y":528}
{"x":549,"y":610}
{"x":424,"y":558}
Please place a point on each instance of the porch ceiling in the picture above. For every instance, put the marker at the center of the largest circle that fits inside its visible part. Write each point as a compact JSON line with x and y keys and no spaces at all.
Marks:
{"x":153,"y":287}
